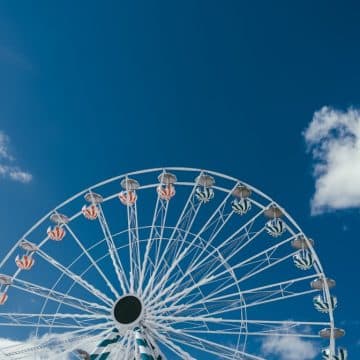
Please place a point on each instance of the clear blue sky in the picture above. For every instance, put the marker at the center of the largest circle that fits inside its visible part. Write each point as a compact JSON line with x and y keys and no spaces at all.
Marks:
{"x":92,"y":89}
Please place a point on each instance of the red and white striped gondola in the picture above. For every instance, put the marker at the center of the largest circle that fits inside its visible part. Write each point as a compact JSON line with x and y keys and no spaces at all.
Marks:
{"x":166,"y":192}
{"x":166,"y":189}
{"x":3,"y":298}
{"x":56,"y":233}
{"x":90,"y":212}
{"x":128,"y":198}
{"x":26,"y":262}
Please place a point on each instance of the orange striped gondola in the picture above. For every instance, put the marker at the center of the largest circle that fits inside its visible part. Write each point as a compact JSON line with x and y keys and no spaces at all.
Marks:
{"x":128,"y":198}
{"x":3,"y":298}
{"x":26,"y":262}
{"x":90,"y":212}
{"x":166,"y":192}
{"x":56,"y":233}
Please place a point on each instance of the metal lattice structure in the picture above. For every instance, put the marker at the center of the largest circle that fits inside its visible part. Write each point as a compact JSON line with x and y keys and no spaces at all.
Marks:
{"x":168,"y":263}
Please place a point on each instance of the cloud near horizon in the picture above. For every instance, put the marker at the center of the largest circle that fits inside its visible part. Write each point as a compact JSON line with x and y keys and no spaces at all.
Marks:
{"x":289,"y":348}
{"x":18,"y":349}
{"x":48,"y":346}
{"x":333,"y":138}
{"x":8,"y":167}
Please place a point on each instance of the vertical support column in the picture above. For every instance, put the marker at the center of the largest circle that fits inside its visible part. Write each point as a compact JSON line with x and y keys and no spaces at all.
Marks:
{"x":145,"y":349}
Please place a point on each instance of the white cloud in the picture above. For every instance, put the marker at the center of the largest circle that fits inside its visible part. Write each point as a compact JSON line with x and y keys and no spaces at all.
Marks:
{"x":4,"y":146}
{"x":289,"y":348}
{"x":19,"y":175}
{"x":8,"y":168}
{"x":22,"y":350}
{"x":50,"y":346}
{"x":333,"y":137}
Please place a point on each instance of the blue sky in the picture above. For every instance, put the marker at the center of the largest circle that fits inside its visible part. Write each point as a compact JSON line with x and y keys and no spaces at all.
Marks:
{"x":94,"y":89}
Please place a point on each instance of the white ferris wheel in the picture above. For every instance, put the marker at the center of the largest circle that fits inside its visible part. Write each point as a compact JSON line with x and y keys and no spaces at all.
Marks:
{"x":167,"y":263}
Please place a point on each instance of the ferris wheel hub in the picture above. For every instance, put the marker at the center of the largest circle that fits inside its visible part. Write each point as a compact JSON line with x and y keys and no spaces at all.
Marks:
{"x":127,"y":311}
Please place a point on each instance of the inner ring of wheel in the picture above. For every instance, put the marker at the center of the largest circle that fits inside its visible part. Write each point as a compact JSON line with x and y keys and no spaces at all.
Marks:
{"x":127,"y":310}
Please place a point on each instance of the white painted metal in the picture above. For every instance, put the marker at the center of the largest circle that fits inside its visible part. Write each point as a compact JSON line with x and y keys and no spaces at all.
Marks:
{"x":199,"y":270}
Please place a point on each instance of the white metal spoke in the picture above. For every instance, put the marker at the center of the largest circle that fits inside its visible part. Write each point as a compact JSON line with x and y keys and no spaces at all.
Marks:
{"x":92,"y":261}
{"x":67,"y":339}
{"x":134,"y":250}
{"x":285,"y":324}
{"x":176,"y":349}
{"x":59,"y":297}
{"x":76,"y":278}
{"x":241,"y":280}
{"x":237,"y":305}
{"x":158,"y":211}
{"x":196,"y":262}
{"x":227,"y":302}
{"x":245,"y":262}
{"x":158,"y":243}
{"x":58,"y":320}
{"x":208,"y":346}
{"x":193,"y":262}
{"x":112,"y":251}
{"x":93,"y":339}
{"x":185,"y":251}
{"x":185,"y":221}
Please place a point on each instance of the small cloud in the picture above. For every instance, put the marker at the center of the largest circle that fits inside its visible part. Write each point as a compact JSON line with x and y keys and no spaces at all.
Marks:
{"x":19,"y":175}
{"x":49,"y":346}
{"x":333,"y":138}
{"x":8,"y":167}
{"x":30,"y":348}
{"x":4,"y":147}
{"x":289,"y":348}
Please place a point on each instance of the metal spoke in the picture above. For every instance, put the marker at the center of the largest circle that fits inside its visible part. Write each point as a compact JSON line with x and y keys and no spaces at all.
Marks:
{"x":76,"y":278}
{"x":92,"y":261}
{"x":44,"y":320}
{"x":59,"y":297}
{"x":120,"y":272}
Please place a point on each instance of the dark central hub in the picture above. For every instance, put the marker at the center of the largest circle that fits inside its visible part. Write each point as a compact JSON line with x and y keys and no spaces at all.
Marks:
{"x":127,"y":310}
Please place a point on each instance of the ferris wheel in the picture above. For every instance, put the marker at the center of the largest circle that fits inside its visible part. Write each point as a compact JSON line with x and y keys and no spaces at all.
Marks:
{"x":167,"y":263}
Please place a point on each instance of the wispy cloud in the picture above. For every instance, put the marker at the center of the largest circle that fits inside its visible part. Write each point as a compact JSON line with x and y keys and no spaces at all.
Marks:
{"x":333,"y":137}
{"x":289,"y":348}
{"x":49,"y":346}
{"x":28,"y":349}
{"x":8,"y":167}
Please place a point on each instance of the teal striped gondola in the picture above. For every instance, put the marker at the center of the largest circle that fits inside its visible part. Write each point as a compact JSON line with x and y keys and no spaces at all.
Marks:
{"x":275,"y":227}
{"x":303,"y":260}
{"x":322,"y":305}
{"x":204,"y":194}
{"x":241,"y":206}
{"x":103,"y":349}
{"x":341,"y":354}
{"x":146,"y":350}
